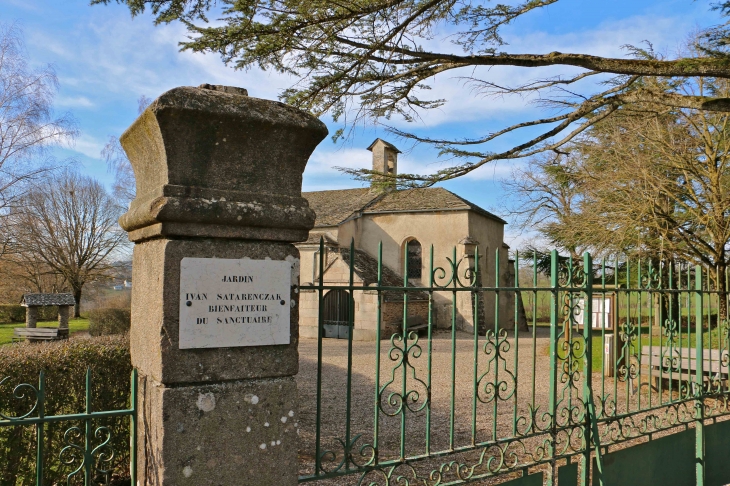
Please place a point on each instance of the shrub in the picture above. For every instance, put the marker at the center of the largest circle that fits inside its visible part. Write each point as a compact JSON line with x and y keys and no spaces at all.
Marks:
{"x":107,"y":322}
{"x":12,"y":313}
{"x":65,"y":364}
{"x":48,"y":313}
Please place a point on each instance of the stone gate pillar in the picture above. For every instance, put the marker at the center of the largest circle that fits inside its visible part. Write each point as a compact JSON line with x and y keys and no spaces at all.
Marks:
{"x":215,"y":301}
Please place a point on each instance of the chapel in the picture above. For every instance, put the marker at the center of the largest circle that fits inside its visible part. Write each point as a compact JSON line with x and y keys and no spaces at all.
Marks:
{"x":408,"y":223}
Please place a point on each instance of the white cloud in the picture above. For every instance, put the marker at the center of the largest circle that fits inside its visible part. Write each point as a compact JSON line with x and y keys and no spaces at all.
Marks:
{"x":88,"y":146}
{"x":74,"y":102}
{"x":322,"y":162}
{"x":129,"y":58}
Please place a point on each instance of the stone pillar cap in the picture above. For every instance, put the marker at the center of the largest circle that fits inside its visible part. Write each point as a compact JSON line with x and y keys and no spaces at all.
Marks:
{"x":214,"y":162}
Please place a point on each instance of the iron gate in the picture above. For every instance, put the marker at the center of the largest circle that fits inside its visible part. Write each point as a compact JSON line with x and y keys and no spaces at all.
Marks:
{"x":544,"y":405}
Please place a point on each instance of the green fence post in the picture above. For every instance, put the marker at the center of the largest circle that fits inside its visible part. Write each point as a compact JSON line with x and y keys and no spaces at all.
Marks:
{"x":404,"y":374}
{"x":698,"y":388}
{"x":587,"y":380}
{"x":379,"y":320}
{"x":555,"y":302}
{"x":40,"y":429}
{"x":133,"y":431}
{"x":430,"y":349}
{"x":320,"y":335}
{"x":350,"y":332}
{"x":592,"y":439}
{"x":87,"y":432}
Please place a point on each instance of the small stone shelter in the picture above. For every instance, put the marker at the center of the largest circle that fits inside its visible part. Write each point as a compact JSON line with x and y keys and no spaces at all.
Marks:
{"x":33,"y":302}
{"x":407,"y":222}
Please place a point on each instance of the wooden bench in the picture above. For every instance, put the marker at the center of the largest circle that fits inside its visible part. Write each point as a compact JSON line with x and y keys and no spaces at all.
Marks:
{"x":39,"y":333}
{"x":683,"y":363}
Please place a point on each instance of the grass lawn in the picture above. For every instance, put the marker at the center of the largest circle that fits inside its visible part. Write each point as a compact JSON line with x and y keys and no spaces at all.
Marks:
{"x":711,"y":340}
{"x":74,"y":325}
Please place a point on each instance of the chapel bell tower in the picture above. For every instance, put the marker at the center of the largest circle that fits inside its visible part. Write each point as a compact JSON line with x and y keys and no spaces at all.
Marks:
{"x":385,"y":160}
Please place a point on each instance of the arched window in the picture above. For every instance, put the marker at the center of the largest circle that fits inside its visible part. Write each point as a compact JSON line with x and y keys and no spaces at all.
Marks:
{"x":414,"y":259}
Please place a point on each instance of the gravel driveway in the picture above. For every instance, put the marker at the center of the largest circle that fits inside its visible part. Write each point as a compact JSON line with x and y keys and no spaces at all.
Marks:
{"x":334,"y":388}
{"x":533,"y":360}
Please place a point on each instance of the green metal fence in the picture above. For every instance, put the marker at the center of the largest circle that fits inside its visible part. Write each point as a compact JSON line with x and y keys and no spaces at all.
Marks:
{"x":552,"y":403}
{"x":86,"y":455}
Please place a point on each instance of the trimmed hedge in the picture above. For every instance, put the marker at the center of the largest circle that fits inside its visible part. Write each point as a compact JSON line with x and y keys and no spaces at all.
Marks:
{"x":48,"y":313}
{"x":12,"y":313}
{"x":65,"y":364}
{"x":108,"y":322}
{"x":16,"y":313}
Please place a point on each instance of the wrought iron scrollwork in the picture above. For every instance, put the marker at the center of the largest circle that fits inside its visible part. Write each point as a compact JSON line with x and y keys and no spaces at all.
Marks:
{"x":402,"y":353}
{"x":98,"y":460}
{"x":497,"y":382}
{"x":651,"y":280}
{"x":571,"y":353}
{"x":570,"y":275}
{"x":490,"y":460}
{"x":365,"y":456}
{"x":23,"y":391}
{"x":457,"y":277}
{"x":630,"y":363}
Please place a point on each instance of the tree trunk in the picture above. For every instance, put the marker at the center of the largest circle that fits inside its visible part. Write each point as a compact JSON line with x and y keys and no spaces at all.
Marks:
{"x":77,"y":306}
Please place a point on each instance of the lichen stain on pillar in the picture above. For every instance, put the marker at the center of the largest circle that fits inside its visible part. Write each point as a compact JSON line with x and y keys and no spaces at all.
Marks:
{"x":218,"y":175}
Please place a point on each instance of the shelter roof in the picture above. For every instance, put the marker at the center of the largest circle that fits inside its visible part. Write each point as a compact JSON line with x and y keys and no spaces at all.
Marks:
{"x":33,"y":300}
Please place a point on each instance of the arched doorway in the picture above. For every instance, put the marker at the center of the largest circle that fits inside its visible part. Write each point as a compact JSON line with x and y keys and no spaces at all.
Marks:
{"x":337,"y":305}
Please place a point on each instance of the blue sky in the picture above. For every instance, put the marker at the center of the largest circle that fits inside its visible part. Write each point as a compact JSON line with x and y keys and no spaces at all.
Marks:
{"x":105,"y":61}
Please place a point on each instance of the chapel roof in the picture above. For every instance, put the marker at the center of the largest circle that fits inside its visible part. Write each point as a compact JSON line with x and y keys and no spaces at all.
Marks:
{"x":334,"y":207}
{"x":426,"y":198}
{"x":314,"y":239}
{"x":32,"y":300}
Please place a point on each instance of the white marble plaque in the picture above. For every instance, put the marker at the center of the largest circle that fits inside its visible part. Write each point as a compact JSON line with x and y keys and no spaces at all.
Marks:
{"x":227,"y":303}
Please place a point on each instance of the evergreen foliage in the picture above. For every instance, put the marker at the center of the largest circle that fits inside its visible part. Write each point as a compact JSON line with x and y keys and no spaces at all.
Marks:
{"x":372,"y":60}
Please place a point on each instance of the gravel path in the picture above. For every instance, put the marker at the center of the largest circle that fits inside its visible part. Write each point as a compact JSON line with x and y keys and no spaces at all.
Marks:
{"x":532,"y":361}
{"x":334,"y":388}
